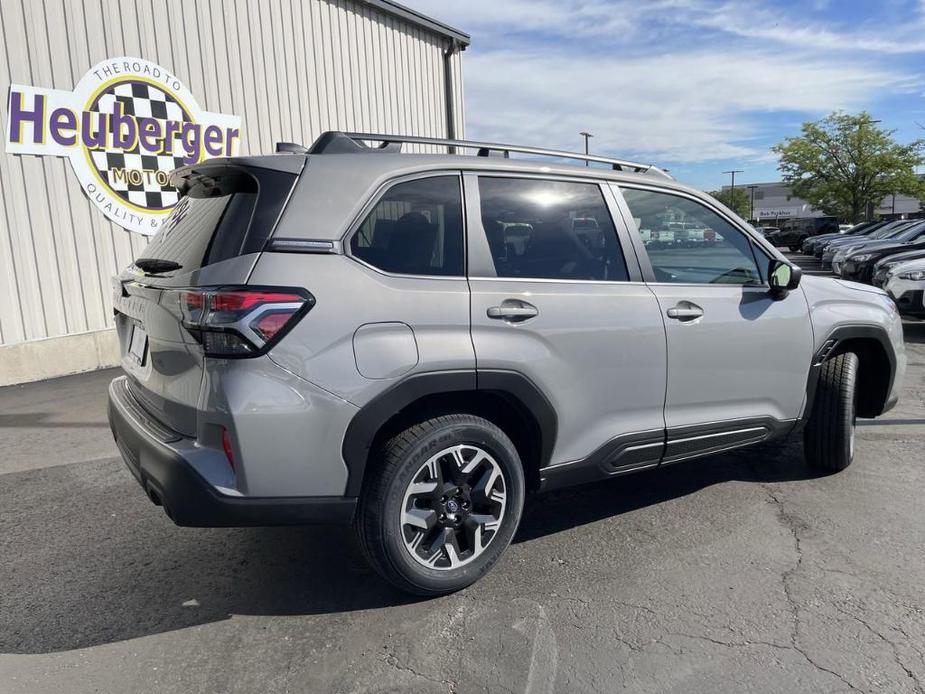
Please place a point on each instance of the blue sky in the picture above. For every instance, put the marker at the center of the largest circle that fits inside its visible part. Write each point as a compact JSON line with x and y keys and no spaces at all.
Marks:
{"x":697,"y":86}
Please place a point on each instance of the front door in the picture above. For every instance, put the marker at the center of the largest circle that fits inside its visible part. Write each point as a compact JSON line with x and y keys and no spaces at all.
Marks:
{"x":738,"y":359}
{"x":555,"y":299}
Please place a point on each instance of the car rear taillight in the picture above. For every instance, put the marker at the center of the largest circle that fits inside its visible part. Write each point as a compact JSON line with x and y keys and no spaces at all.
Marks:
{"x":235,"y":323}
{"x":226,"y":446}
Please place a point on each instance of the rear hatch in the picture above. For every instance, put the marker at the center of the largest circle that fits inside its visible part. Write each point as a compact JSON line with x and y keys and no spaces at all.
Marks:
{"x":210,"y":240}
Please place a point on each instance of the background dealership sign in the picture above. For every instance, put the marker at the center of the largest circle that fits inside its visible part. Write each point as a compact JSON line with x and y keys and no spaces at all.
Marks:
{"x":126,"y":125}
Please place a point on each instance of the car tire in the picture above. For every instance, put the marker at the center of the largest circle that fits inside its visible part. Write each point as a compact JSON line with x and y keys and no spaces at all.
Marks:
{"x":426,"y":524}
{"x":828,"y":440}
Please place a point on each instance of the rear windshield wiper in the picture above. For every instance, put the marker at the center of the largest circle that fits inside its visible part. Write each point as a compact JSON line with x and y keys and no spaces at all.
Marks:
{"x":154,"y":266}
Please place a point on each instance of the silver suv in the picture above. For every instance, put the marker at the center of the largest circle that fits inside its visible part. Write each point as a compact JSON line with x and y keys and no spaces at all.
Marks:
{"x":413,"y":342}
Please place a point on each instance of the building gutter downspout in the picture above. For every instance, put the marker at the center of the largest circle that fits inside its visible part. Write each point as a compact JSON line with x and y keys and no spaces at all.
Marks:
{"x":449,"y":88}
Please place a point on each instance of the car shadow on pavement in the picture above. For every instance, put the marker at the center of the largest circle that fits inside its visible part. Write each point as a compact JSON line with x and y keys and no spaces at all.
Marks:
{"x":567,"y":508}
{"x":114,"y":568}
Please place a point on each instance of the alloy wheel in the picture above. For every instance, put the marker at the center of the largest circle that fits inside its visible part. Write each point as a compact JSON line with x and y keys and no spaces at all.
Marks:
{"x":453,"y":507}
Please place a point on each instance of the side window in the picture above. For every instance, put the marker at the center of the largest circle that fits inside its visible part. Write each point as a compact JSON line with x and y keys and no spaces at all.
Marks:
{"x":549,"y":230}
{"x":415,"y":229}
{"x":689,"y":243}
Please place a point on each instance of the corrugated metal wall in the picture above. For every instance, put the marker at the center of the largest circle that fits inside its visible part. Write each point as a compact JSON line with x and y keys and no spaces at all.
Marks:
{"x":290,"y":68}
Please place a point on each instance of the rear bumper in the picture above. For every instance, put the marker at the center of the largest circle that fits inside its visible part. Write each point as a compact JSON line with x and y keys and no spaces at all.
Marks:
{"x":157,"y":457}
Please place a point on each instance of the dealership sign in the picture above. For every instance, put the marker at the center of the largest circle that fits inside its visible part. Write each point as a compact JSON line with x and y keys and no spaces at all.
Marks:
{"x":127,"y":124}
{"x":765,"y":212}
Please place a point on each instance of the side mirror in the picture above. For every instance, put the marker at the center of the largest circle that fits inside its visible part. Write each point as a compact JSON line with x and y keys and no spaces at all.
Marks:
{"x":783,"y":277}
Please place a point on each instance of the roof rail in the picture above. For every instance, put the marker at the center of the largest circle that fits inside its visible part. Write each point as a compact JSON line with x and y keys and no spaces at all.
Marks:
{"x":334,"y":142}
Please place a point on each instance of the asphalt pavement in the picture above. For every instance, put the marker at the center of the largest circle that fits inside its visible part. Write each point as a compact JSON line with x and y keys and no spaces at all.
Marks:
{"x":741,"y":572}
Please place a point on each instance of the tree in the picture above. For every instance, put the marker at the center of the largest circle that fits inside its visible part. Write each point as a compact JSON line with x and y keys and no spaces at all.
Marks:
{"x":740,"y":202}
{"x":844,"y":163}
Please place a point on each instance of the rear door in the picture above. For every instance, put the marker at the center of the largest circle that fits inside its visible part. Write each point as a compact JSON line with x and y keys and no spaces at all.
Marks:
{"x":212,"y":237}
{"x":556,"y":296}
{"x":738,"y":360}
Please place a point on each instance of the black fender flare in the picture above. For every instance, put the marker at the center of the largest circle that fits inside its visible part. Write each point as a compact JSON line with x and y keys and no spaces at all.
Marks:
{"x":513,"y":385}
{"x":833,"y":341}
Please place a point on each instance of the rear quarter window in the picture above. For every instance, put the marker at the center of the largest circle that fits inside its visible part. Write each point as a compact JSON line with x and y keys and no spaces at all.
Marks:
{"x":415,"y":228}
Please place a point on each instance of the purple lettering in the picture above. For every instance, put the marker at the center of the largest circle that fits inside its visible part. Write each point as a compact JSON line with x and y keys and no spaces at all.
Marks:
{"x":231,"y":135}
{"x":149,"y":132}
{"x":19,"y":115}
{"x":63,"y":124}
{"x":124,"y":130}
{"x":212,"y":138}
{"x":190,"y":138}
{"x":170,"y":131}
{"x":90,"y":140}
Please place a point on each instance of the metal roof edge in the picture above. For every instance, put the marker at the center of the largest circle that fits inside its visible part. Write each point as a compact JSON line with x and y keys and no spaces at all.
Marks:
{"x":413,"y":16}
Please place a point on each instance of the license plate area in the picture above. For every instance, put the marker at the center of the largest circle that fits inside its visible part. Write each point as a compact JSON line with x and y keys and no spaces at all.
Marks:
{"x":138,"y":344}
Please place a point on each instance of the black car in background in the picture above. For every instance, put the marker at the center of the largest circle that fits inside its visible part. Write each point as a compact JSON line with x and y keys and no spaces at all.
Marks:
{"x":812,"y":243}
{"x":883,"y":266}
{"x":793,"y":233}
{"x":859,"y":266}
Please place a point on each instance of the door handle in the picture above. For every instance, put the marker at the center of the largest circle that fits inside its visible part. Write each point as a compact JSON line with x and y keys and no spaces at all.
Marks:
{"x":685,"y":311}
{"x":513,"y":311}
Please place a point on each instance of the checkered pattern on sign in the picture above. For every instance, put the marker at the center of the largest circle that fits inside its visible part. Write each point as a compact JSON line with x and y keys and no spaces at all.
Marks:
{"x":147,"y":193}
{"x":141,"y":100}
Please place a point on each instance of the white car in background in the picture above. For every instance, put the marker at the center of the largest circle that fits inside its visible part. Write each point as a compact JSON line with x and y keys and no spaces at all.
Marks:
{"x":906,"y":285}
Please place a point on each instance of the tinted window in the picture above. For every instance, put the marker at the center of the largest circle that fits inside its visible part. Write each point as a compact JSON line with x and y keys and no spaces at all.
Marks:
{"x":415,"y":229}
{"x":549,"y":230}
{"x":689,"y":243}
{"x":223,"y":214}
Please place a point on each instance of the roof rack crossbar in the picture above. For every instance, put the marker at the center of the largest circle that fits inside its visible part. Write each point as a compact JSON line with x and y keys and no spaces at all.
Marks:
{"x":485,"y":149}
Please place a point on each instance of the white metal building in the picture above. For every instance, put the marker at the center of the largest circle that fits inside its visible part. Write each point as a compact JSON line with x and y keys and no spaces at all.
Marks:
{"x":774,"y":202}
{"x":229,"y":76}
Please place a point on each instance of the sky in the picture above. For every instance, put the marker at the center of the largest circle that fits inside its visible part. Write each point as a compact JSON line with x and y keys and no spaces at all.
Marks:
{"x":696,"y":86}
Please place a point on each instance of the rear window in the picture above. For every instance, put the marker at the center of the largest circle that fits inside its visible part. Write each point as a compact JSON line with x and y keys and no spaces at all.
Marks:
{"x":539,"y":229}
{"x":225,"y":213}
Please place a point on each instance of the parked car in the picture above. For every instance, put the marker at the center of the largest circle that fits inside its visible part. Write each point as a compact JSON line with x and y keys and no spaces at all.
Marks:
{"x":835,"y":251}
{"x":859,"y":265}
{"x":891,"y":233}
{"x":342,"y":334}
{"x":794,"y":233}
{"x":906,"y":286}
{"x":814,"y":243}
{"x":820,"y":246}
{"x":766,"y":231}
{"x":883,"y":267}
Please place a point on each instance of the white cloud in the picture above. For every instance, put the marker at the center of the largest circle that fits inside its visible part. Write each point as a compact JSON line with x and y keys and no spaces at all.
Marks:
{"x":682,"y":107}
{"x":751,"y":20}
{"x":677,"y":80}
{"x":622,"y":21}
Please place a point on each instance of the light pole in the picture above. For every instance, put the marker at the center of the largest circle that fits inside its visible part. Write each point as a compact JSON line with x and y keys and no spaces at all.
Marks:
{"x":587,"y":137}
{"x":732,"y":188}
{"x":751,"y":211}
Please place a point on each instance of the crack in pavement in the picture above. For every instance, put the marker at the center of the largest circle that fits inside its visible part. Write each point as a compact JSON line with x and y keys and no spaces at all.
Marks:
{"x":916,"y":682}
{"x":393,"y":661}
{"x":794,"y":526}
